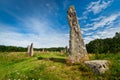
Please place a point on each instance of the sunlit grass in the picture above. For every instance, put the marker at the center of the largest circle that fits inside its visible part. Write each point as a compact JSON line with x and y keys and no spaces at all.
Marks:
{"x":52,"y":66}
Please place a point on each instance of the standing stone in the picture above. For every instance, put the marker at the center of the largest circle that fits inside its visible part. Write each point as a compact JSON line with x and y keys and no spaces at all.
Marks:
{"x":62,"y":51}
{"x":66,"y":49}
{"x":43,"y":50}
{"x":31,"y":49}
{"x":77,"y":49}
{"x":28,"y":50}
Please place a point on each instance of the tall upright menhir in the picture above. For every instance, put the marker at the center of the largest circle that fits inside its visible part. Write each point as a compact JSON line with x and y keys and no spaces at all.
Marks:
{"x":77,"y":49}
{"x":30,"y":50}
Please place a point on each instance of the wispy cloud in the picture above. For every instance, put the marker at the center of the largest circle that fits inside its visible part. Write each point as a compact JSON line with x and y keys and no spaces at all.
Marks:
{"x":33,"y":27}
{"x":106,"y":21}
{"x":97,"y":7}
{"x":102,"y":27}
{"x":102,"y":22}
{"x":39,"y":31}
{"x":106,"y":33}
{"x":42,"y":22}
{"x":98,"y":19}
{"x":39,"y":40}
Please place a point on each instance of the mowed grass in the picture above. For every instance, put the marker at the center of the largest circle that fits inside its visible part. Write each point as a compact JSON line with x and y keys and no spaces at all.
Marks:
{"x":52,"y":66}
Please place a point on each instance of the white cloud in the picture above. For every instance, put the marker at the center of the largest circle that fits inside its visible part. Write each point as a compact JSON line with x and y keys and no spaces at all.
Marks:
{"x":90,"y":33}
{"x":4,"y":28}
{"x":40,"y":32}
{"x":38,"y":29}
{"x":83,"y":17}
{"x":106,"y":21}
{"x":106,"y":33}
{"x":110,"y":32}
{"x":110,"y":25}
{"x":102,"y":21}
{"x":98,"y":19}
{"x":18,"y":39}
{"x":97,"y":7}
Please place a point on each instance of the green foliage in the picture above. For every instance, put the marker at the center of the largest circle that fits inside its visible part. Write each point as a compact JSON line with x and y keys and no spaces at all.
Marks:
{"x":84,"y":68}
{"x":21,"y":49}
{"x":12,"y":49}
{"x":114,"y":71}
{"x":108,"y":45}
{"x":105,"y":56}
{"x":117,"y":35}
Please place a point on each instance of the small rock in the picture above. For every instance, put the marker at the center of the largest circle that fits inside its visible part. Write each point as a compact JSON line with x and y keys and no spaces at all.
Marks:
{"x":98,"y":66}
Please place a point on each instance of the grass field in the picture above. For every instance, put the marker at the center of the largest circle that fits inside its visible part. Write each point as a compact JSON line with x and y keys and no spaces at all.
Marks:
{"x":52,"y":66}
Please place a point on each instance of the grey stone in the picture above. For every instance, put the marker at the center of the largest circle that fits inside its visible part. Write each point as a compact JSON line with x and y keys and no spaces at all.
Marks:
{"x":43,"y":50}
{"x":98,"y":66}
{"x":30,"y":50}
{"x":66,"y":49}
{"x":77,"y":49}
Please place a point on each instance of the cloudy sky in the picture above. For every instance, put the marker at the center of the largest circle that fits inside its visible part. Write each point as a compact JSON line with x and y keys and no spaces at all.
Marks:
{"x":44,"y":22}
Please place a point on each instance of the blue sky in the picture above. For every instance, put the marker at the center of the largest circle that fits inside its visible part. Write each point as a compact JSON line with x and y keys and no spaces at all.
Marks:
{"x":44,"y":22}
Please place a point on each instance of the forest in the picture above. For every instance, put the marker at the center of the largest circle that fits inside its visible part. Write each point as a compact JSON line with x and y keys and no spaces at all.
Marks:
{"x":23,"y":49}
{"x":107,"y":45}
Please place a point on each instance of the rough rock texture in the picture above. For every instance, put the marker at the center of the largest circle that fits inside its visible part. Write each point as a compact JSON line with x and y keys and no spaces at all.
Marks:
{"x":98,"y":66}
{"x":66,"y":49}
{"x":30,"y":50}
{"x":77,"y":49}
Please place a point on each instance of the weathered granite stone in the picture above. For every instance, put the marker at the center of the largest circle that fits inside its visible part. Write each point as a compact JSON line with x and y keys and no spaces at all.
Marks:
{"x":66,"y":49}
{"x":98,"y":66}
{"x":43,"y":50}
{"x":77,"y":49}
{"x":31,"y":49}
{"x":28,"y":49}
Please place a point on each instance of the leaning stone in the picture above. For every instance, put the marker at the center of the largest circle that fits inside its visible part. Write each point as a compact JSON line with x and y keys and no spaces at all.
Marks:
{"x":77,"y":49}
{"x":98,"y":66}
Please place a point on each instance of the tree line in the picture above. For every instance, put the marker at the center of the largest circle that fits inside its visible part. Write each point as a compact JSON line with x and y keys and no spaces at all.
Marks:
{"x":22,"y":49}
{"x":108,"y":45}
{"x":12,"y":49}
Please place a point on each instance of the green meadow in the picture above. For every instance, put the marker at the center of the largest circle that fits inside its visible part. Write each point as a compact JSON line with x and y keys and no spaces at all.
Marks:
{"x":52,"y":66}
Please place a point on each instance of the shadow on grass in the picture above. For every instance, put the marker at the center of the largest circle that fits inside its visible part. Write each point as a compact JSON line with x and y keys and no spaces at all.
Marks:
{"x":53,"y":59}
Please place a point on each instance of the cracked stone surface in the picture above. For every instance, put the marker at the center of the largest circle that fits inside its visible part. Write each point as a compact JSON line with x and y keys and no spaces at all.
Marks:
{"x":98,"y":66}
{"x":77,"y":49}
